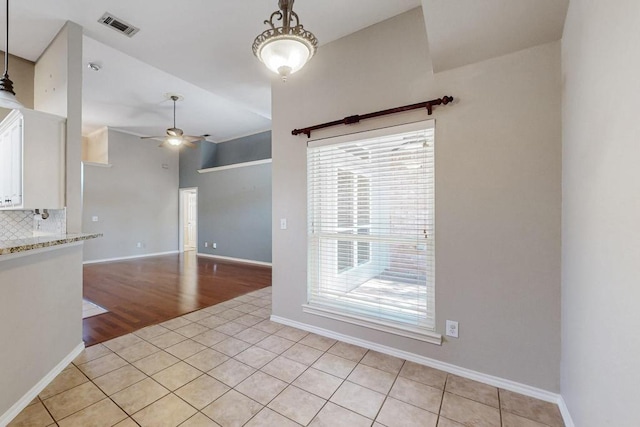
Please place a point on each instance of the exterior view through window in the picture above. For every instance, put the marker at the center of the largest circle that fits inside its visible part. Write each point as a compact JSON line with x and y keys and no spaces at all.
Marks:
{"x":371,"y":226}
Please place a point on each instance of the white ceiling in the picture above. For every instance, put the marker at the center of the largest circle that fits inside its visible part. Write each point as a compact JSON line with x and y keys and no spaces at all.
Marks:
{"x":199,"y":48}
{"x":202,"y":49}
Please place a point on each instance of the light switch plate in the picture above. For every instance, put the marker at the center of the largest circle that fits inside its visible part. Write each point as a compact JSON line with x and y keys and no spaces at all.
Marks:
{"x":283,"y":223}
{"x":94,"y":218}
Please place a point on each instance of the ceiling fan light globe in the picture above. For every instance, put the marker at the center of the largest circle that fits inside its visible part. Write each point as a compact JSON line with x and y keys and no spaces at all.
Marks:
{"x":174,"y":141}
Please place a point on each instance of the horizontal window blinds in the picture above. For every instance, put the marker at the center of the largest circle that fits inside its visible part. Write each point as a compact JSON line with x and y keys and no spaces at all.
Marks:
{"x":371,"y":227}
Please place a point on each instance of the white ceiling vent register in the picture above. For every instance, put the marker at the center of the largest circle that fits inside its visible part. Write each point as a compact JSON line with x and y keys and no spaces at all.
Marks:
{"x":118,"y":24}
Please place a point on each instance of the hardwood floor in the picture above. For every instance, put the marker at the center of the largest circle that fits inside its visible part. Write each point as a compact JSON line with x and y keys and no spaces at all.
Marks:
{"x":147,"y":291}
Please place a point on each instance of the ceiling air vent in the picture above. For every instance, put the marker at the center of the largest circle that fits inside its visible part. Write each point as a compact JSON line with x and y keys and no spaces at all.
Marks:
{"x":118,"y":24}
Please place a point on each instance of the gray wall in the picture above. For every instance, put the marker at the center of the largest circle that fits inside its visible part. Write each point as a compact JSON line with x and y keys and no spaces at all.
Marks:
{"x":41,"y":318}
{"x":22,"y":72}
{"x":246,"y":149}
{"x":135,"y":200}
{"x":234,"y":205}
{"x":601,"y":208}
{"x":498,"y":192}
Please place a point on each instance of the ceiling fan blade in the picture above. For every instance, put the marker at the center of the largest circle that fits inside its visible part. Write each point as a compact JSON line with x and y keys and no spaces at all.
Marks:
{"x":194,"y":138}
{"x":188,"y":144}
{"x":191,"y":138}
{"x":164,"y":144}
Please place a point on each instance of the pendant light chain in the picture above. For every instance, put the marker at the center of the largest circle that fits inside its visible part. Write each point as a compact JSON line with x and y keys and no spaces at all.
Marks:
{"x":7,"y":95}
{"x":6,"y":51}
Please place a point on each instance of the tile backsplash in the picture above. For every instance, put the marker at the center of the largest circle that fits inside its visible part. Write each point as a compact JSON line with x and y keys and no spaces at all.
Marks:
{"x":25,"y":224}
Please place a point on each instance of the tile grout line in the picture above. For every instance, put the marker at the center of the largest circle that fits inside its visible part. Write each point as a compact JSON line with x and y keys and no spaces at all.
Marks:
{"x":337,"y":388}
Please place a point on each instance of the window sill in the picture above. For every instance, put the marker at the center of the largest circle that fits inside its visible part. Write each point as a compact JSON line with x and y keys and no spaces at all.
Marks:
{"x":388,"y":327}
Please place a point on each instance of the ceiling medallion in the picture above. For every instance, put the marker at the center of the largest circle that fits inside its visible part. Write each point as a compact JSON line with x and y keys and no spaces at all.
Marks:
{"x":286,"y":49}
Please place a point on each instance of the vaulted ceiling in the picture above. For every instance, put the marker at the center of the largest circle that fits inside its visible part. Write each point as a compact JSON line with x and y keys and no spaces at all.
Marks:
{"x":201,"y":49}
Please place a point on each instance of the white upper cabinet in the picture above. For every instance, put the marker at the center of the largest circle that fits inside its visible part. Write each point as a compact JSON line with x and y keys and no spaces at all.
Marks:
{"x":32,"y":160}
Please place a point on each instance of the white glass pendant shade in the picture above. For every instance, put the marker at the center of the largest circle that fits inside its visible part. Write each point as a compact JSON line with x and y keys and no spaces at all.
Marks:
{"x":285,"y":49}
{"x":8,"y":100}
{"x":285,"y":55}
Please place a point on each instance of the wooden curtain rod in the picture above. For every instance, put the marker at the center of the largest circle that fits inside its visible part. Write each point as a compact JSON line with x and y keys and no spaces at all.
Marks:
{"x":356,"y":119}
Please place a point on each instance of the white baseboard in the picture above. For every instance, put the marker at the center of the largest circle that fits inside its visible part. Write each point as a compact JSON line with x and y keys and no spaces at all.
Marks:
{"x":96,"y":261}
{"x":564,"y":410}
{"x":433,"y":363}
{"x":37,"y":389}
{"x":240,"y":260}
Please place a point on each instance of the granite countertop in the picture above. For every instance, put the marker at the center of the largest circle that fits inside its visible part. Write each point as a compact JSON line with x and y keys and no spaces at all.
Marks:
{"x":24,"y":245}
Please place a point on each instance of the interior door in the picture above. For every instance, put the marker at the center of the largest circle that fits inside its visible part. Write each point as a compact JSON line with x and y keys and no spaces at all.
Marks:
{"x":191,"y":217}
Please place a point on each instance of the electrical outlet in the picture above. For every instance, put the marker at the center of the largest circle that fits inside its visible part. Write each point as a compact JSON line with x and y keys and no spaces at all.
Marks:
{"x":452,"y":328}
{"x":215,"y":246}
{"x":139,"y":244}
{"x":283,"y":223}
{"x":94,"y":218}
{"x":206,"y":244}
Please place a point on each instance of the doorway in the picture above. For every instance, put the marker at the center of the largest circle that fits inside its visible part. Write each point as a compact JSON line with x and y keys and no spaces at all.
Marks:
{"x":188,"y":219}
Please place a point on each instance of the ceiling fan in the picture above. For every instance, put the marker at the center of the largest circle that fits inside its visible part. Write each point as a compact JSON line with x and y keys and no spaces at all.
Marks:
{"x":175,"y":136}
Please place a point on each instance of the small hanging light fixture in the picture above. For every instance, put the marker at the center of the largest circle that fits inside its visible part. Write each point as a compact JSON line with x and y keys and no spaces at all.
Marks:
{"x":286,"y":49}
{"x":7,"y":95}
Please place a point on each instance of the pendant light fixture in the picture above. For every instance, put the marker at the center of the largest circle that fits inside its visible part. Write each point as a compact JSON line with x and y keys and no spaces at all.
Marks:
{"x":7,"y":95}
{"x":286,"y":49}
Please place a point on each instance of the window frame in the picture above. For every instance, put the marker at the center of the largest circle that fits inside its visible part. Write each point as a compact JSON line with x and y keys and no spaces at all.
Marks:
{"x":385,"y":325}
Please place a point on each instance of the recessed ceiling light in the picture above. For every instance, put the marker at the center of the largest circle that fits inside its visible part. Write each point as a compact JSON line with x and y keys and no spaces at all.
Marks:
{"x":93,"y":66}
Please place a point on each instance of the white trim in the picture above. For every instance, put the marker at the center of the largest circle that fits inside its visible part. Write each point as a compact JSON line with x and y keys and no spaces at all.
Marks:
{"x":36,"y":251}
{"x":564,"y":410}
{"x":100,"y":165}
{"x":96,"y":261}
{"x":373,"y":133}
{"x":240,"y":260}
{"x":36,"y":389}
{"x":235,"y":165}
{"x":516,"y":387}
{"x":245,"y":135}
{"x":127,"y":132}
{"x":408,"y":331}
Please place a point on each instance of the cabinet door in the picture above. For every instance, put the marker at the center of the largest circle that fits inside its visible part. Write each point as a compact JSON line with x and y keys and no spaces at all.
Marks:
{"x":15,"y":135}
{"x":6,"y":172}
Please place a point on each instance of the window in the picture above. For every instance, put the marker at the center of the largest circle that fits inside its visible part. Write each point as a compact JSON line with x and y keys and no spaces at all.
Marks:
{"x":371,"y":228}
{"x":354,"y":199}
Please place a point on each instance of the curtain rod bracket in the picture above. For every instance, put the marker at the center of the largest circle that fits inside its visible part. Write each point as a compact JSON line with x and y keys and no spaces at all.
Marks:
{"x":357,"y":118}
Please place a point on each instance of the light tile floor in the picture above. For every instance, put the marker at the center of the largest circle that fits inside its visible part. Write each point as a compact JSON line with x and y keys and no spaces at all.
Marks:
{"x":228,"y":365}
{"x":90,"y":309}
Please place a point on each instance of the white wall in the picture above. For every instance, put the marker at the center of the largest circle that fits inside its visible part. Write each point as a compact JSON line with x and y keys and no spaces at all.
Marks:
{"x":135,"y":200}
{"x":498,"y":194}
{"x":40,"y":318}
{"x":601,"y":212}
{"x":58,"y":90}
